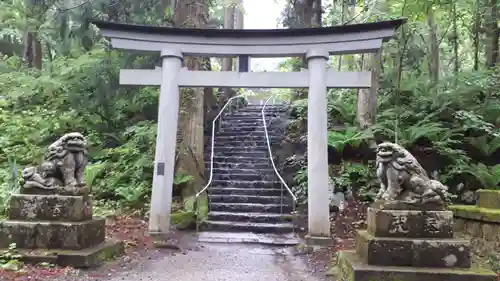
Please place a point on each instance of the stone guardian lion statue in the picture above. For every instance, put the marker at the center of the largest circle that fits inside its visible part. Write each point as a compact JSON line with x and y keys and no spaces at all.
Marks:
{"x":63,"y":166}
{"x":403,"y":178}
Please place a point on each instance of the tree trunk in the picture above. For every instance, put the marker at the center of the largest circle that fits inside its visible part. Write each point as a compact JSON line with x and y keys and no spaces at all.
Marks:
{"x":193,"y":14}
{"x":433,"y":48}
{"x":492,"y":39}
{"x":32,"y":53}
{"x":456,"y":65}
{"x":227,"y":63}
{"x":367,"y":98}
{"x":476,"y":36}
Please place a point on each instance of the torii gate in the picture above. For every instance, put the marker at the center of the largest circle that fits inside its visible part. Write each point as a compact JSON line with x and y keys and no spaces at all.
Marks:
{"x":315,"y":43}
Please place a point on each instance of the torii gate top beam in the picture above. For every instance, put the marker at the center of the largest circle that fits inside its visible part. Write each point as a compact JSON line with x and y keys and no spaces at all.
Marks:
{"x":344,"y":39}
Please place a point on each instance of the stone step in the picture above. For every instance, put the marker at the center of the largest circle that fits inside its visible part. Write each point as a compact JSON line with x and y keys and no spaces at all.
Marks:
{"x":259,"y":110}
{"x":237,"y":159}
{"x":216,"y":190}
{"x":245,"y":177}
{"x":245,"y":154}
{"x":231,"y":198}
{"x":246,"y":142}
{"x":247,"y":227}
{"x":241,"y":148}
{"x":254,"y":117}
{"x":239,"y":165}
{"x":256,"y":133}
{"x":243,"y":122}
{"x":251,"y":207}
{"x":246,"y":138}
{"x":250,"y":217}
{"x":241,"y":128}
{"x":247,"y":184}
{"x":267,"y":171}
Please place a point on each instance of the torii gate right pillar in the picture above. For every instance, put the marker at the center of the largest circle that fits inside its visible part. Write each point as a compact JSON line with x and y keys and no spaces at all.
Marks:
{"x":317,"y":146}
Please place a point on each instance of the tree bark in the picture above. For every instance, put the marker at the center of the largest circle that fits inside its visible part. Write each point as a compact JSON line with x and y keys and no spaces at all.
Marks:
{"x":192,"y":14}
{"x":456,"y":65}
{"x":492,"y":39}
{"x":366,"y":104}
{"x":476,"y":36}
{"x":433,"y":61}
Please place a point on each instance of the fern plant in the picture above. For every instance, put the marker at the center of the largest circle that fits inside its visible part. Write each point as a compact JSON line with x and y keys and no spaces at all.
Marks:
{"x":351,"y":136}
{"x":489,"y":177}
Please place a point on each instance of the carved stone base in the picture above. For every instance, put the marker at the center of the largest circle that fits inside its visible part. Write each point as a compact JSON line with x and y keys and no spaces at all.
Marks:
{"x":29,"y":207}
{"x":353,"y":268}
{"x":90,"y":257}
{"x":410,"y":224}
{"x":52,"y":235}
{"x":444,"y":253}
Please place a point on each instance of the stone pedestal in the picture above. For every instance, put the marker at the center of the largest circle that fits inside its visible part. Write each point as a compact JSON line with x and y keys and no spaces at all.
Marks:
{"x":409,"y":245}
{"x":58,"y":229}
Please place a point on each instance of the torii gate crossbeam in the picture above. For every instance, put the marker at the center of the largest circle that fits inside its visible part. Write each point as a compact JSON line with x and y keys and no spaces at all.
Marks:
{"x":315,"y":43}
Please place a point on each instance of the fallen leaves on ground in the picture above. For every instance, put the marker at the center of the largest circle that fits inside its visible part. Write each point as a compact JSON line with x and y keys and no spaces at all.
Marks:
{"x":343,"y":228}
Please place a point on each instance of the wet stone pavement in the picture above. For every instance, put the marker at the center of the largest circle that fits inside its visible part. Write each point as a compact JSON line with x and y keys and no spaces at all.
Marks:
{"x":225,"y":262}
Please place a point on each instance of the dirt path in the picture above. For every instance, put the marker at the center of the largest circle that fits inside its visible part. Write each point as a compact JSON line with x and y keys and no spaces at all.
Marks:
{"x":221,"y":262}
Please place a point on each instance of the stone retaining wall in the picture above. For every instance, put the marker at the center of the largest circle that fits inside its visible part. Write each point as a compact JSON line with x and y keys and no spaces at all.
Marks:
{"x":480,"y":221}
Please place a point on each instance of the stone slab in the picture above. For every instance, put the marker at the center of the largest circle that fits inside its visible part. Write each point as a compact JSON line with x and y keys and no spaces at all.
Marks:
{"x":352,"y":268}
{"x":288,"y":239}
{"x":50,"y":208}
{"x":403,"y":206}
{"x":410,"y":224}
{"x":440,"y":253}
{"x":89,"y":257}
{"x":52,"y":235}
{"x":473,"y":212}
{"x":66,"y":190}
{"x":489,"y":199}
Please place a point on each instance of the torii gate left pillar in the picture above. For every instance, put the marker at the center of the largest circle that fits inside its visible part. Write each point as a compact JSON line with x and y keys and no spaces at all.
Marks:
{"x":166,"y":139}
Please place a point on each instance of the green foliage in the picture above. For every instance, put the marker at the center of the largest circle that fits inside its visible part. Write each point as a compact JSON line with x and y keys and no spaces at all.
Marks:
{"x":356,"y":178}
{"x":351,"y":136}
{"x":10,"y":259}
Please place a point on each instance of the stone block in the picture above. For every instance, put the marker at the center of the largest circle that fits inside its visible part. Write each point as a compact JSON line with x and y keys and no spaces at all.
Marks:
{"x":410,"y":224}
{"x":489,"y":199}
{"x":65,"y":190}
{"x":89,"y":257}
{"x":352,"y":268}
{"x":52,"y":235}
{"x":473,"y":212}
{"x":441,"y":253}
{"x":50,"y":208}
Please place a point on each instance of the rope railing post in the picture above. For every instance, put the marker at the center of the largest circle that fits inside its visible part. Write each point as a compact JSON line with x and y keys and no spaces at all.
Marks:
{"x":217,"y":118}
{"x":283,"y":183}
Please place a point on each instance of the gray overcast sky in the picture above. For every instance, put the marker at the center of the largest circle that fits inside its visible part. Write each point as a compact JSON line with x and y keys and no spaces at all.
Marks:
{"x":263,"y":14}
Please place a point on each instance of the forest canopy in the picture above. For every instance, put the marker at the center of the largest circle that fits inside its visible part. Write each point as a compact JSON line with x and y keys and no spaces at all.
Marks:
{"x":438,"y":92}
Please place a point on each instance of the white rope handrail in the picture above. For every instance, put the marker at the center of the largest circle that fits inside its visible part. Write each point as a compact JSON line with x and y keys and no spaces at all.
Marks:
{"x":271,"y":154}
{"x":213,"y":143}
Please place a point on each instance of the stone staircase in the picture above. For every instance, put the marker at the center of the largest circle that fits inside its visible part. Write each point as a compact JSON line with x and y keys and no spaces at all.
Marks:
{"x":245,"y":193}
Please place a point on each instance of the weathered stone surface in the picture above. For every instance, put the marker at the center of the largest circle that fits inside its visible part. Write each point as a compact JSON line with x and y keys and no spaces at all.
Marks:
{"x":50,"y":208}
{"x":410,"y":224}
{"x":444,"y":253}
{"x":473,"y":212}
{"x":403,"y":206}
{"x":69,"y":191}
{"x":489,"y":199}
{"x":52,"y":235}
{"x":352,"y":268}
{"x":90,"y":257}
